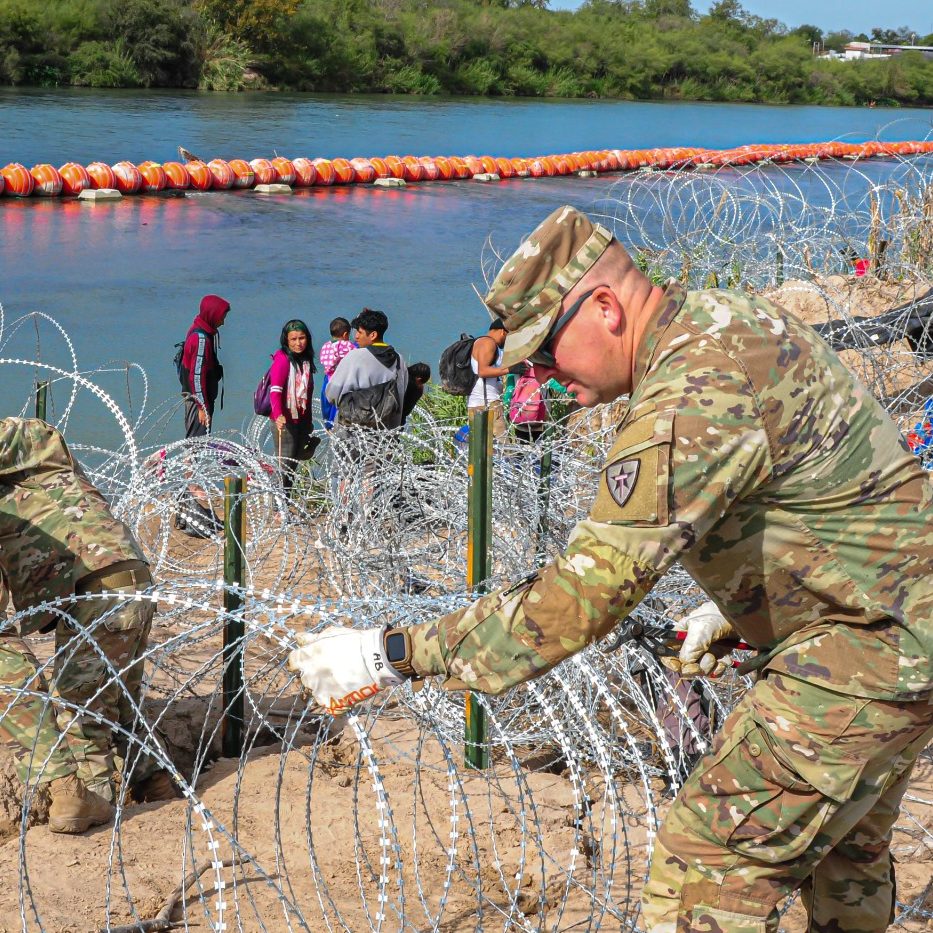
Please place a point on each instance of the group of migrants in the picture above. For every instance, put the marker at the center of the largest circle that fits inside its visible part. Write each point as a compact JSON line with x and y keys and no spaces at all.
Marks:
{"x":366,"y":382}
{"x":748,"y":452}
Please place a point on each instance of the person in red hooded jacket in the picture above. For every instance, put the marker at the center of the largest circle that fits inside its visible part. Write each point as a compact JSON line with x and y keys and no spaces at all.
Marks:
{"x":201,"y":374}
{"x":202,"y":369}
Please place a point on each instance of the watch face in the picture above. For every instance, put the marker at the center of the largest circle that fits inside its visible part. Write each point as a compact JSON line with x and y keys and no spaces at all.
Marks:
{"x":395,"y":647}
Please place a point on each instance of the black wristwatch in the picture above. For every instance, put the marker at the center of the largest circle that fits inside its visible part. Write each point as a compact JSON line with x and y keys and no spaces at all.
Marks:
{"x":396,"y":643}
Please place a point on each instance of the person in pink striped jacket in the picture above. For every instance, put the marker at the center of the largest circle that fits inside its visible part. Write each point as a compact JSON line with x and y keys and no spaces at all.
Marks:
{"x":332,"y":353}
{"x":291,"y":395}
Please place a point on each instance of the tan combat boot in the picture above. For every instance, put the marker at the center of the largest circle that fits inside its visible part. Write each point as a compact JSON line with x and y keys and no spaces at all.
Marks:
{"x":75,"y":808}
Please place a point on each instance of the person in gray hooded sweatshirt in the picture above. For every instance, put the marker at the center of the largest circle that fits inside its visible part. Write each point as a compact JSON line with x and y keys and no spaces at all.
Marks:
{"x":374,"y":363}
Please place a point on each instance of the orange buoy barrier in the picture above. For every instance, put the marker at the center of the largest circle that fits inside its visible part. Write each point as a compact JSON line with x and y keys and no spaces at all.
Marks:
{"x":199,"y":175}
{"x":343,"y":171}
{"x":101,"y":175}
{"x":363,"y":170}
{"x":222,"y":174}
{"x":395,"y":166}
{"x":71,"y":179}
{"x":176,"y":176}
{"x":429,"y":169}
{"x":48,"y":183}
{"x":243,"y":174}
{"x":18,"y":180}
{"x":154,"y":177}
{"x":305,"y":172}
{"x":413,"y":169}
{"x":263,"y":171}
{"x":127,"y":177}
{"x":325,"y":172}
{"x":75,"y":178}
{"x":380,"y":167}
{"x":284,"y":171}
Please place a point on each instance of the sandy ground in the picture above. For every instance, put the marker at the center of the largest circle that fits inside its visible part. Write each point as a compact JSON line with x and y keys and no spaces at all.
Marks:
{"x":280,"y":811}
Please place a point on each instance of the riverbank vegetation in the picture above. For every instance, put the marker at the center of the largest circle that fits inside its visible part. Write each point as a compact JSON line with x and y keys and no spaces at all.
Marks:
{"x":632,"y":49}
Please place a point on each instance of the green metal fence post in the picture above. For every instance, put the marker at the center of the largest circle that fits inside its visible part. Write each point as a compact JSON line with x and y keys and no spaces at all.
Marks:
{"x":479,"y":542}
{"x":234,"y":539}
{"x":42,"y":400}
{"x":779,"y":268}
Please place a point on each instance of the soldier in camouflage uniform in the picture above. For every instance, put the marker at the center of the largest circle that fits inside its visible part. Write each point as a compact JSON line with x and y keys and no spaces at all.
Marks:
{"x":59,"y":540}
{"x":752,"y":455}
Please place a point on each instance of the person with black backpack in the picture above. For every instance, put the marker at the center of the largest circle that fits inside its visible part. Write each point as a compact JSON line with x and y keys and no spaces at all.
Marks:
{"x":486,"y":364}
{"x":200,"y":373}
{"x":369,"y":383}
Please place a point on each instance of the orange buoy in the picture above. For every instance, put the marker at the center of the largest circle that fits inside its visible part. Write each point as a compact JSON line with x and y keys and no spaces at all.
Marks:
{"x":536,"y":168}
{"x":414,"y":170}
{"x":2,"y":184}
{"x":243,"y":174}
{"x":488,"y":164}
{"x":504,"y":168}
{"x":74,"y":178}
{"x":343,"y":172}
{"x":325,"y":171}
{"x":305,"y":172}
{"x":429,"y":169}
{"x":363,"y":170}
{"x":199,"y":175}
{"x":48,"y":181}
{"x":395,"y":166}
{"x":101,"y":175}
{"x":176,"y":176}
{"x":264,"y":171}
{"x":284,"y":170}
{"x":18,"y":179}
{"x":127,"y":177}
{"x":380,"y":167}
{"x":445,"y":171}
{"x":222,"y":174}
{"x":563,"y":165}
{"x":154,"y":177}
{"x":459,"y":167}
{"x":474,"y":164}
{"x":519,"y":166}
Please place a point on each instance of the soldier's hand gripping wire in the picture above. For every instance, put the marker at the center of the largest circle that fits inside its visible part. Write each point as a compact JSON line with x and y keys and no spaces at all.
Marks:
{"x":341,"y":667}
{"x":699,"y":645}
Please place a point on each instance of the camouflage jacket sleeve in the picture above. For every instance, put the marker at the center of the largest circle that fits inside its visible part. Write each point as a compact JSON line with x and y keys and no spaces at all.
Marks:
{"x":691,"y":444}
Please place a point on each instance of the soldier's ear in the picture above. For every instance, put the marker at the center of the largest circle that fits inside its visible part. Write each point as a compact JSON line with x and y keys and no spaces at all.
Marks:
{"x":609,"y":309}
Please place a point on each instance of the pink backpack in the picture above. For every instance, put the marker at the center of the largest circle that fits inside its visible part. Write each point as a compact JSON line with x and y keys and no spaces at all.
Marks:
{"x":528,"y":405}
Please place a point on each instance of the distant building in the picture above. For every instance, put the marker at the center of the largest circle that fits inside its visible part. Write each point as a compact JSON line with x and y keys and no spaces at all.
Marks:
{"x":859,"y":50}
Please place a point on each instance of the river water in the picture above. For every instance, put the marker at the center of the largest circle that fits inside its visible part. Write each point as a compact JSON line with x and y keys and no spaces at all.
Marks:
{"x":124,"y":280}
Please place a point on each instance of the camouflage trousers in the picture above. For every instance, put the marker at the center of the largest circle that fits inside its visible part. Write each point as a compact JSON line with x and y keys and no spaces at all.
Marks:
{"x":800,"y":790}
{"x":97,"y":674}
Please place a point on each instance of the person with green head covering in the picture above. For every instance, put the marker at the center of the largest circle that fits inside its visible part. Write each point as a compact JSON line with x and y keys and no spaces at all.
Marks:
{"x":291,"y":393}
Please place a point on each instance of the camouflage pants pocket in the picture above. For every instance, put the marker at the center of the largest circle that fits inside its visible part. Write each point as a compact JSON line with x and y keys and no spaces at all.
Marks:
{"x":782,"y":813}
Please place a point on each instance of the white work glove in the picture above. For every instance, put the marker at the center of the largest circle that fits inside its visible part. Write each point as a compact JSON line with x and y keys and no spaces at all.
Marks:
{"x":704,"y":626}
{"x":341,"y":667}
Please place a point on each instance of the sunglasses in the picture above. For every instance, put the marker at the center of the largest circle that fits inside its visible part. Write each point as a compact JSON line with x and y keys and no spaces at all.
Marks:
{"x":544,"y":355}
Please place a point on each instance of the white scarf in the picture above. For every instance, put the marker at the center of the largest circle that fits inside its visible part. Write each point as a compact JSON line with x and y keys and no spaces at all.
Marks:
{"x":299,"y":381}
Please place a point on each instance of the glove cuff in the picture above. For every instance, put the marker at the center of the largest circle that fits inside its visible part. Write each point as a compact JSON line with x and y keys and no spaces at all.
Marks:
{"x":374,"y":658}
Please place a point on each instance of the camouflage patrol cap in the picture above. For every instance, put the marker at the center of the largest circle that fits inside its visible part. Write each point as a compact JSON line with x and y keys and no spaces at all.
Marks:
{"x":527,"y":293}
